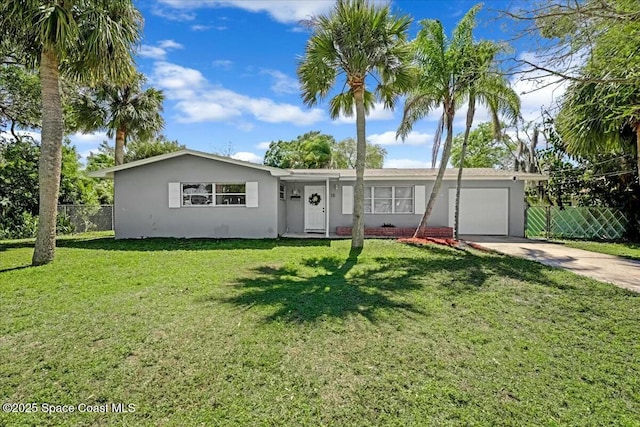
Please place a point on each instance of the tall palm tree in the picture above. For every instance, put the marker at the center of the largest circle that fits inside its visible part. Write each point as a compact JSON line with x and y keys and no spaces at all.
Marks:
{"x":124,"y":110}
{"x":441,"y":82}
{"x":358,"y":40}
{"x":86,"y":40}
{"x":484,"y":85}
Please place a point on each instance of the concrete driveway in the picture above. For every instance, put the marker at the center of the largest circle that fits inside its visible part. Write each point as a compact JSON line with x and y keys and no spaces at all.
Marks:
{"x":607,"y":268}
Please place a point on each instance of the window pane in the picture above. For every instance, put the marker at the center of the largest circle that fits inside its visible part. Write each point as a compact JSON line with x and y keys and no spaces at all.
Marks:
{"x":382,"y":206}
{"x":404,"y":206}
{"x":404,"y":192}
{"x":382,"y":192}
{"x":199,"y":188}
{"x":230,"y":188}
{"x":367,"y":192}
{"x":231,"y":200}
{"x":367,"y":205}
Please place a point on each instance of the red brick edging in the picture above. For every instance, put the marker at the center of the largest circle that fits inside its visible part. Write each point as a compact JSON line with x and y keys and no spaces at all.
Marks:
{"x":442,"y":232}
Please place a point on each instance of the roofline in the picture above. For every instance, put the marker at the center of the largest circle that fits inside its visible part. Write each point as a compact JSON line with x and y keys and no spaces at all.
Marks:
{"x":108,"y":172}
{"x":515,"y":177}
{"x":293,"y":174}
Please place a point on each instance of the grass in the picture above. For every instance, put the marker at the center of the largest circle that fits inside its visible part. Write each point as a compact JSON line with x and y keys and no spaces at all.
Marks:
{"x":305,"y":333}
{"x":625,"y":250}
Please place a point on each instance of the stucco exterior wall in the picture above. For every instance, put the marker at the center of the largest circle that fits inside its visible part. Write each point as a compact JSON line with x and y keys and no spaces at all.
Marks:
{"x":142,"y":209}
{"x":440,"y":213}
{"x":282,"y":208}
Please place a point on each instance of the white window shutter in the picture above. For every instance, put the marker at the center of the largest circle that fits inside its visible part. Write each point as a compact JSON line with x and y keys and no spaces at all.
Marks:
{"x":419,"y":192}
{"x":347,"y":200}
{"x":174,"y":194}
{"x":252,"y":194}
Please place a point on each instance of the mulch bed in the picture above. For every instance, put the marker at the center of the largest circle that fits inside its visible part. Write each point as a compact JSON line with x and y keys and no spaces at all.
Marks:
{"x":452,"y":243}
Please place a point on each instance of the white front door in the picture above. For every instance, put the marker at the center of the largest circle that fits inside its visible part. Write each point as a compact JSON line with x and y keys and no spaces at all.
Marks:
{"x":314,"y":208}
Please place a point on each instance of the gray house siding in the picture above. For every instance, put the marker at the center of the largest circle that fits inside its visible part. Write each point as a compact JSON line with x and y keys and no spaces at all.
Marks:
{"x":440,"y":213}
{"x":282,"y":209}
{"x":142,"y":209}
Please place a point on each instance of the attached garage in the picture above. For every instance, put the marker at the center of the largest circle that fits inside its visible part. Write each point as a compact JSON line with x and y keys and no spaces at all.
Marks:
{"x":482,"y":210}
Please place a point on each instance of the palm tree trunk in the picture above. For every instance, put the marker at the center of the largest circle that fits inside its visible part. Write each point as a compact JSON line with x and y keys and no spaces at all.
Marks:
{"x":357,"y":228}
{"x":50,"y":161}
{"x":471,"y":111}
{"x":638,"y":147}
{"x":446,"y":153}
{"x":120,"y":136}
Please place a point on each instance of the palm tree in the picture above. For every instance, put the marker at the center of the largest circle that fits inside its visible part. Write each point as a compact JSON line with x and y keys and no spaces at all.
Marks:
{"x":359,"y":40}
{"x":441,"y":82}
{"x":85,"y":40}
{"x":484,"y":85}
{"x":125,"y":111}
{"x":601,"y":117}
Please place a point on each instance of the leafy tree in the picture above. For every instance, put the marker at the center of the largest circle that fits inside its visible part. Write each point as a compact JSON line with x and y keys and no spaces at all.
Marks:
{"x":19,"y":98}
{"x":317,"y":150}
{"x":19,"y":184}
{"x":124,"y":110}
{"x":601,"y":117}
{"x":308,"y":151}
{"x":135,"y":150}
{"x":595,"y":33}
{"x":597,"y":179}
{"x":487,"y":86}
{"x":345,"y":151}
{"x":359,"y":40}
{"x":483,"y":150}
{"x":85,"y":40}
{"x":441,"y":82}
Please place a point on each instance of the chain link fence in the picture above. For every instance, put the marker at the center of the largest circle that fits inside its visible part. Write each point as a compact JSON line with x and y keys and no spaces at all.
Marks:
{"x":576,"y":222}
{"x":82,"y":218}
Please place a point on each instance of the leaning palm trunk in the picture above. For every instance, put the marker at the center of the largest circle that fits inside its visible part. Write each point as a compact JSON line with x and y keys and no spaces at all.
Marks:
{"x":120,"y":138}
{"x":637,"y":128}
{"x":357,"y":231}
{"x":446,"y":153}
{"x":50,"y":158}
{"x":463,"y":151}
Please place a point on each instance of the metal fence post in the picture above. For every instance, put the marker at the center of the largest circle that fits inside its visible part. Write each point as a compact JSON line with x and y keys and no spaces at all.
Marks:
{"x":548,"y":222}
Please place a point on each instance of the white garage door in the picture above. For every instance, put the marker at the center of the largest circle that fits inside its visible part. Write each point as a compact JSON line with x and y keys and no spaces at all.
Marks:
{"x":482,"y":210}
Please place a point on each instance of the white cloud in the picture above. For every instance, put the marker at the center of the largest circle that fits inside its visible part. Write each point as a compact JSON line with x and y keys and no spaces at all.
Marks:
{"x":285,"y":11}
{"x":377,"y":112}
{"x":222,"y":63}
{"x":263,"y":145}
{"x":154,"y":52}
{"x":159,"y":52}
{"x":389,"y":138}
{"x":406,"y":164}
{"x":174,"y":14}
{"x":94,"y":138}
{"x":202,"y":111}
{"x":282,"y":83}
{"x":247,"y":157}
{"x":200,"y":101}
{"x":170,"y":44}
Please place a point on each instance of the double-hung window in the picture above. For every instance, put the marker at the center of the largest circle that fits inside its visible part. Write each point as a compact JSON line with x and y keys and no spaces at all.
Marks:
{"x":388,"y":200}
{"x":213,"y":194}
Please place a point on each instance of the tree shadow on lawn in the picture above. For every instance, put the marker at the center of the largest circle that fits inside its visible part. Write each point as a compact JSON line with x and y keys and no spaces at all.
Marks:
{"x":337,"y":287}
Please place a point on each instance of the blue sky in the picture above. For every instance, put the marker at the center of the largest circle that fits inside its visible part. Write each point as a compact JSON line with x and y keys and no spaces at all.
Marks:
{"x":228,"y":71}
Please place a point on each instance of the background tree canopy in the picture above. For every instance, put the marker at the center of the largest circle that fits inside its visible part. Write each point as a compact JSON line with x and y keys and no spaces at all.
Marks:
{"x":317,"y":150}
{"x":483,"y":150}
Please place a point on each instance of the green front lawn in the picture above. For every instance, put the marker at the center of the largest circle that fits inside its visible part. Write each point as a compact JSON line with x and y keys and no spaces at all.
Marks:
{"x":196,"y":332}
{"x":625,"y":250}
